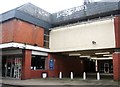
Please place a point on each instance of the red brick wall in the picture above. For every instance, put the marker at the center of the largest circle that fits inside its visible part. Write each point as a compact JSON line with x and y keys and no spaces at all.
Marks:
{"x":7,"y":31}
{"x":26,"y":65}
{"x":22,"y":32}
{"x":37,"y":73}
{"x":116,"y":55}
{"x":116,"y":65}
{"x":117,"y":31}
{"x":66,"y":64}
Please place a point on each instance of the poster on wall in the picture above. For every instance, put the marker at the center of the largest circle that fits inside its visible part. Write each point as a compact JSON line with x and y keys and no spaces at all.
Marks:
{"x":51,"y":64}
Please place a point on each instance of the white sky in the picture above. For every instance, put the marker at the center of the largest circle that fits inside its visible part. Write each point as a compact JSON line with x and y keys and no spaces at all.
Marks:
{"x":48,"y":5}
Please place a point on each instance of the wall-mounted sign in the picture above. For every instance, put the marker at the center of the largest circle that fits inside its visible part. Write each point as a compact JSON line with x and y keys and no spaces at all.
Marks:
{"x":51,"y":64}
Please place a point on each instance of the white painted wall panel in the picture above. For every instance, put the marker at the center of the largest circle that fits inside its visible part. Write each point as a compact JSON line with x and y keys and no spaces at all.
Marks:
{"x":80,"y":36}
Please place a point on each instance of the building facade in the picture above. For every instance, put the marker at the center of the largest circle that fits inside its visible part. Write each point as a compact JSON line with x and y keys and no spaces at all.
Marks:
{"x":80,"y":39}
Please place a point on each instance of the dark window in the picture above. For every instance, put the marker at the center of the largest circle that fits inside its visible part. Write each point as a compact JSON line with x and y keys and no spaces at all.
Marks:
{"x":38,"y":62}
{"x":46,"y":38}
{"x":46,"y":32}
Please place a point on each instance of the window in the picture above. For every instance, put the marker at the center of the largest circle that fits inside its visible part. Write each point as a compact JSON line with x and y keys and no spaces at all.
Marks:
{"x":38,"y":62}
{"x":46,"y":38}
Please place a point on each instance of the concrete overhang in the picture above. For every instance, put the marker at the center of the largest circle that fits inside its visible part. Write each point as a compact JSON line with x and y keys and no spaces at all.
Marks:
{"x":98,"y":54}
{"x":23,"y":46}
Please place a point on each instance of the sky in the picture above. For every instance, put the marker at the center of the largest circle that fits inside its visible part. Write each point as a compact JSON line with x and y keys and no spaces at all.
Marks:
{"x":48,"y":5}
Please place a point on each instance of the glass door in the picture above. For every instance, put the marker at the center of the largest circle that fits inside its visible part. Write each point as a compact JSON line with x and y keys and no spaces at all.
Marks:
{"x":13,"y":67}
{"x":17,"y":68}
{"x":9,"y":67}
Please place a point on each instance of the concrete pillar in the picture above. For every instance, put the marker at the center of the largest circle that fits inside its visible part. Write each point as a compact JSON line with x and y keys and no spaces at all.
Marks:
{"x":116,"y":65}
{"x":96,"y":65}
{"x":26,"y":65}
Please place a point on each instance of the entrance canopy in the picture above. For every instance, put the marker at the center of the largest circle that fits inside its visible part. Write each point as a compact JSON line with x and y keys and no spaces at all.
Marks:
{"x":100,"y":54}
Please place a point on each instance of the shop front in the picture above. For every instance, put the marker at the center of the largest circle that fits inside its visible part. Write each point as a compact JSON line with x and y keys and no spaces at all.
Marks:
{"x":12,"y":64}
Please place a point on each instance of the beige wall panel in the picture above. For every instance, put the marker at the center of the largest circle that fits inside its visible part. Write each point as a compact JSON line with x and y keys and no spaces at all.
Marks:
{"x":80,"y":36}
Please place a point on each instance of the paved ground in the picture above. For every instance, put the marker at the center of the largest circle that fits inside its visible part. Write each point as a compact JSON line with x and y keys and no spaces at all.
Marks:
{"x":63,"y":82}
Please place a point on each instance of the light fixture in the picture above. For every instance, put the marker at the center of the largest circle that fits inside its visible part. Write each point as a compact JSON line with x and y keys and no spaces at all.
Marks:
{"x":102,"y":53}
{"x":85,"y":56}
{"x":74,"y":54}
{"x":108,"y":58}
{"x":93,"y":42}
{"x":108,"y":55}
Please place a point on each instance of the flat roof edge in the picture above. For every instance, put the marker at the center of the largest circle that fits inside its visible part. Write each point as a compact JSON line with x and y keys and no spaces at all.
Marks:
{"x":7,"y":15}
{"x":25,"y":17}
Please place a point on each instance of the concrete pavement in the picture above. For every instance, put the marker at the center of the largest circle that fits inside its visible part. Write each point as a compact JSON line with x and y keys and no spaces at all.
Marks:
{"x":56,"y":81}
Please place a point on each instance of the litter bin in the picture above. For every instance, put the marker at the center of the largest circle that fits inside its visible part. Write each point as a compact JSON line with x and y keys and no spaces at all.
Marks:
{"x":44,"y":75}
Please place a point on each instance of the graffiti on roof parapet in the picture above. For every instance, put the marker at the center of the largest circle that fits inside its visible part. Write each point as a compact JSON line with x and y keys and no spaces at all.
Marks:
{"x":71,"y":11}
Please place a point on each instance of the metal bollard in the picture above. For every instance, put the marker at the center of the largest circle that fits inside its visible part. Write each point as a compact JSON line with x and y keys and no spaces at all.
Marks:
{"x":98,"y":76}
{"x":84,"y":76}
{"x":71,"y":75}
{"x":60,"y":75}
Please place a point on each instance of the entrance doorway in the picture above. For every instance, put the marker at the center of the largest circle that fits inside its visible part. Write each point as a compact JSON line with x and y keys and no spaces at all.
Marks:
{"x":11,"y":66}
{"x":106,"y":67}
{"x":89,"y":66}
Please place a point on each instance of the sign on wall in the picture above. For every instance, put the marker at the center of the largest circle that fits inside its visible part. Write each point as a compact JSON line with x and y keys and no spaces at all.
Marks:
{"x":51,"y":64}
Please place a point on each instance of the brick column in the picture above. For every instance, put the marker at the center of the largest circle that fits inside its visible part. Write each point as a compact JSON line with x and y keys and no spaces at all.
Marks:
{"x":116,"y":65}
{"x":26,"y":65}
{"x":53,"y":72}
